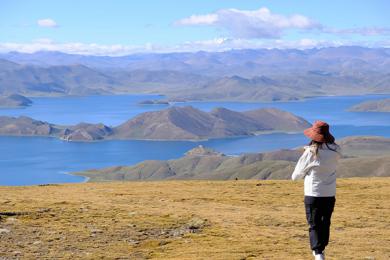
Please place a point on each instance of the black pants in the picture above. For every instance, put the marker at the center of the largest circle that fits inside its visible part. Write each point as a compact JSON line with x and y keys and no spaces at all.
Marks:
{"x":318,"y":214}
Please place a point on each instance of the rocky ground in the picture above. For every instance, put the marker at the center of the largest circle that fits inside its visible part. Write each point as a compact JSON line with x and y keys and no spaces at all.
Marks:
{"x":188,"y":220}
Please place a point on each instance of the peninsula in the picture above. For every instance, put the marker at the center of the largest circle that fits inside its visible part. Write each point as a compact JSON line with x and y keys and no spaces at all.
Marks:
{"x":173,"y":123}
{"x":382,"y":105}
{"x":362,"y":157}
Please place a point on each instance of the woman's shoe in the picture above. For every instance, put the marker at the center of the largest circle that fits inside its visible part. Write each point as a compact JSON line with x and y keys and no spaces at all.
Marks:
{"x":319,"y":257}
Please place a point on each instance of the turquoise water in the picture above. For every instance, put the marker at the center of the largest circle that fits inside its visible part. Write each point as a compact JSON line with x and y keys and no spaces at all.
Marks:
{"x":38,"y":160}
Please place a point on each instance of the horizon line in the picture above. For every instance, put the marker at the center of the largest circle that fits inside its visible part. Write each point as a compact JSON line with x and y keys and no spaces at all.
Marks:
{"x":192,"y":52}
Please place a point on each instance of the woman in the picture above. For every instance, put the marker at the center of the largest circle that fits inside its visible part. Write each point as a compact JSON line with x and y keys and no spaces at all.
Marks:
{"x":317,"y":166}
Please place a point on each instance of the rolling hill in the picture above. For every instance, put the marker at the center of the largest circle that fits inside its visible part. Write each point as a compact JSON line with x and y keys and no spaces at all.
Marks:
{"x":55,"y":80}
{"x":363,"y":157}
{"x":188,"y":123}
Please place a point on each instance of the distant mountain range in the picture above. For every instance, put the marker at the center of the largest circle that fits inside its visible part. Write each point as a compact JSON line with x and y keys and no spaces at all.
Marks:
{"x":246,"y":63}
{"x":174,"y":123}
{"x":362,"y":157}
{"x":382,"y":105}
{"x":239,"y":75}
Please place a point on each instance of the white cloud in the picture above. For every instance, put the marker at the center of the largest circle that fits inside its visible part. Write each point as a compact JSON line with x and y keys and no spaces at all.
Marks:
{"x":212,"y":45}
{"x":261,"y":23}
{"x":207,"y":19}
{"x":48,"y":22}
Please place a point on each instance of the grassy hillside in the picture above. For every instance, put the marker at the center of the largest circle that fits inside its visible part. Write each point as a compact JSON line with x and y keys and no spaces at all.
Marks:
{"x":189,"y":220}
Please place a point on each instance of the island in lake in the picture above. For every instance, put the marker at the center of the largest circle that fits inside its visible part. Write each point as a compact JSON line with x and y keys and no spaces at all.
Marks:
{"x":154,"y":102}
{"x":382,"y":105}
{"x":361,"y":157}
{"x":14,"y":101}
{"x":174,"y":123}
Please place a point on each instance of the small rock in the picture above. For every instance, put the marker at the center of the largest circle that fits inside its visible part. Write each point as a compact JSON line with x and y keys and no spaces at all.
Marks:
{"x":11,"y":220}
{"x":178,"y":232}
{"x":196,"y":223}
{"x":133,"y":242}
{"x":17,"y":252}
{"x":96,"y":231}
{"x":163,"y":242}
{"x":4,"y":230}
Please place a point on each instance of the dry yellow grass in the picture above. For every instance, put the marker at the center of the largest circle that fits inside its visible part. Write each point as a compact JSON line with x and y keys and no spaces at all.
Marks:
{"x":189,"y":220}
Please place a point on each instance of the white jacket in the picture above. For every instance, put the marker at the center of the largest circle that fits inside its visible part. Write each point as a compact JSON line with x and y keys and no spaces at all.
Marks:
{"x":319,"y":171}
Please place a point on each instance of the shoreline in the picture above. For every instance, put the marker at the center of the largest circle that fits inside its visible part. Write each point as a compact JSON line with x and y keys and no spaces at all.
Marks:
{"x":86,"y":179}
{"x":157,"y":140}
{"x":203,"y":100}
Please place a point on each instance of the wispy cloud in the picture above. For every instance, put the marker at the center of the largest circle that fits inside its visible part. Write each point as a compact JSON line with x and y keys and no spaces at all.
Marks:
{"x":250,"y":24}
{"x":47,"y":22}
{"x":365,"y":31}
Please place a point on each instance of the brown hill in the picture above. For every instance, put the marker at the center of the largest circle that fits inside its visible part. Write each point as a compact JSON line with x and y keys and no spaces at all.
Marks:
{"x":239,"y":88}
{"x":190,"y":123}
{"x":53,"y":80}
{"x":382,"y":105}
{"x":271,"y":165}
{"x":25,"y":126}
{"x":365,"y":146}
{"x":86,"y":132}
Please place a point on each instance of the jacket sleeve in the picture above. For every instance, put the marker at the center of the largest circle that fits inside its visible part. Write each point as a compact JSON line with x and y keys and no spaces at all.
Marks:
{"x":304,"y":164}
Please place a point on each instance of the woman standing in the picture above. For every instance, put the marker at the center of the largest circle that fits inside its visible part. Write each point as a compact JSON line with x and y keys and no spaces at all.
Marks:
{"x":317,"y":166}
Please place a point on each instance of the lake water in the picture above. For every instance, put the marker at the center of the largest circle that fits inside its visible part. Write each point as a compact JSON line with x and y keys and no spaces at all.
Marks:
{"x":39,"y":160}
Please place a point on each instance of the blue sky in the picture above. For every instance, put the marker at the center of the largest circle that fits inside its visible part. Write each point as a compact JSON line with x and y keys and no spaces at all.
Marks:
{"x":119,"y":27}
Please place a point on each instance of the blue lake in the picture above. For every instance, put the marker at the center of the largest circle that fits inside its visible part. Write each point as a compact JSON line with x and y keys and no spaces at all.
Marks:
{"x":38,"y":160}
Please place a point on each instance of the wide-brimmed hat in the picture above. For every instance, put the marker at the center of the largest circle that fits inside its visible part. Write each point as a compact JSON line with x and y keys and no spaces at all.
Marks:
{"x":319,"y":132}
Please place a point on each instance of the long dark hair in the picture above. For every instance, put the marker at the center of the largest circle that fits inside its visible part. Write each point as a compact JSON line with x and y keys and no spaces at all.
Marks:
{"x":319,"y":145}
